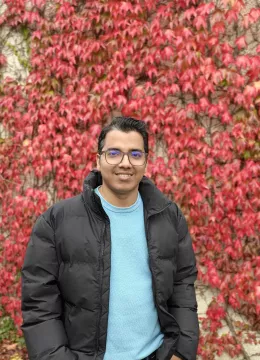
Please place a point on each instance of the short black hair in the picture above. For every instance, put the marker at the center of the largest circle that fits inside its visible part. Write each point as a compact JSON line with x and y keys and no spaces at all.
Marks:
{"x":125,"y":124}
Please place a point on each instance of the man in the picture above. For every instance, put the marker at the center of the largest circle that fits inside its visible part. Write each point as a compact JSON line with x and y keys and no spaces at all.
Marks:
{"x":109,"y":274}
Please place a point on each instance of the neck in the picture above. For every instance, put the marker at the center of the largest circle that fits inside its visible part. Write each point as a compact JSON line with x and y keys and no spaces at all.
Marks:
{"x":118,"y":199}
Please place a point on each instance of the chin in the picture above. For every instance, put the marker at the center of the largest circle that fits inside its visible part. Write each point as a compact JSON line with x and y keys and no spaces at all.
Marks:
{"x":124,"y":188}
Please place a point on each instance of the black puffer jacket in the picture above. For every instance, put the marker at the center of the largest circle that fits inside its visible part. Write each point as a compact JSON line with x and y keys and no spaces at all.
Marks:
{"x":66,"y":272}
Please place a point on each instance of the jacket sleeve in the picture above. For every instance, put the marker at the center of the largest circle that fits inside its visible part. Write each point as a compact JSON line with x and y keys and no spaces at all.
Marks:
{"x":183,"y":303}
{"x":42,"y":327}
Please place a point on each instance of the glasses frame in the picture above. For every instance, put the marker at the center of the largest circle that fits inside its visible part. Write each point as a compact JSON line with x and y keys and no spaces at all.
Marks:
{"x":123,"y":155}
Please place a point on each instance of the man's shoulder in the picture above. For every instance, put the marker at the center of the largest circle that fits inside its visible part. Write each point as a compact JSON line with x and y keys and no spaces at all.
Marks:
{"x":68,"y":203}
{"x":65,"y":204}
{"x":65,"y":208}
{"x":173,"y":207}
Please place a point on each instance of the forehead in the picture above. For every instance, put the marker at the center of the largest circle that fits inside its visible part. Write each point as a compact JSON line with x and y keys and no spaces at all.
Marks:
{"x":124,"y":141}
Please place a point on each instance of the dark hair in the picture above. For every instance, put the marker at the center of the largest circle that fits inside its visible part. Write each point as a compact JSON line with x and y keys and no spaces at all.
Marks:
{"x":125,"y":124}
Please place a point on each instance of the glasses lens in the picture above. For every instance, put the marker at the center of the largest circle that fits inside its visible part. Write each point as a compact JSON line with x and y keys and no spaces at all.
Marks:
{"x":137,"y":157}
{"x":113,"y":156}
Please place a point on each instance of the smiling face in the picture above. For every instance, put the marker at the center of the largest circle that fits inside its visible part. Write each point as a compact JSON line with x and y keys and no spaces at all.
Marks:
{"x":121,"y":181}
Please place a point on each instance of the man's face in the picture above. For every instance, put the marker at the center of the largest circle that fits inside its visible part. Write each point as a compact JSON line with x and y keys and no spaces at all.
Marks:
{"x":112,"y":174}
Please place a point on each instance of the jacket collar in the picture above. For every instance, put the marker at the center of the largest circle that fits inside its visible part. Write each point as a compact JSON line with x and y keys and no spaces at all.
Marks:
{"x":153,"y":199}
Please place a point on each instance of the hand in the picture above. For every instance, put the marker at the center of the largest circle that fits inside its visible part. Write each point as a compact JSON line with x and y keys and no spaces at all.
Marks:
{"x":175,"y":358}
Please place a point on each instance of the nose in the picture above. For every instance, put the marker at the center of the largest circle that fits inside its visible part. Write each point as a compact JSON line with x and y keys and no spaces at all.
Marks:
{"x":125,"y":161}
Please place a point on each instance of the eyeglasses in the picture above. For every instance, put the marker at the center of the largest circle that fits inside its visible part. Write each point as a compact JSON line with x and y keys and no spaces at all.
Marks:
{"x":135,"y":157}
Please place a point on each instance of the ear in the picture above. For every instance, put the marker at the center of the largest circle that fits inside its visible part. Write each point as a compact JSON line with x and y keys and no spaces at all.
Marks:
{"x":98,"y":161}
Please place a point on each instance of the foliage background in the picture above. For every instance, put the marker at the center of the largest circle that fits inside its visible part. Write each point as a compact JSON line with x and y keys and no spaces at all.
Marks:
{"x":190,"y":69}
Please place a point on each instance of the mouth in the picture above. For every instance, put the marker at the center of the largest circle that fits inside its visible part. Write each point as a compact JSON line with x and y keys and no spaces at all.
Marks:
{"x":124,"y":176}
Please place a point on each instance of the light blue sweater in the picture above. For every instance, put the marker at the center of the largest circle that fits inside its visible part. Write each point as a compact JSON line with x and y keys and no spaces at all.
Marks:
{"x":133,"y":326}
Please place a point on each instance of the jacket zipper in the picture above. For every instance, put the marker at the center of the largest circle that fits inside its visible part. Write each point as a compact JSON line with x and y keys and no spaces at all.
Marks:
{"x":149,"y":253}
{"x":101,"y":260}
{"x":101,"y":286}
{"x":150,"y":262}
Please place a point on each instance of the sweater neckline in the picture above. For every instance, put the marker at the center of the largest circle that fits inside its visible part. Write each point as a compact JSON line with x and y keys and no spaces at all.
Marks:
{"x":119,"y":209}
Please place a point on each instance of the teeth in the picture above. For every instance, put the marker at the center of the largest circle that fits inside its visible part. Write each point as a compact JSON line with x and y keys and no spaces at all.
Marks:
{"x":124,"y":176}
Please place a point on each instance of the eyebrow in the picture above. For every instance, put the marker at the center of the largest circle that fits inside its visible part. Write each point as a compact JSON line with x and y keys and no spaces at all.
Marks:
{"x":115,"y":148}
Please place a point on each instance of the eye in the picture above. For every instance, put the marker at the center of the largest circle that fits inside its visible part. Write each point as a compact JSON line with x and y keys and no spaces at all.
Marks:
{"x":113,"y":153}
{"x":136,"y":154}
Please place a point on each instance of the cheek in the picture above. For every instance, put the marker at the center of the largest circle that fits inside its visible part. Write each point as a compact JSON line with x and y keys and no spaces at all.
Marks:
{"x":139,"y":175}
{"x":141,"y":172}
{"x":106,"y":171}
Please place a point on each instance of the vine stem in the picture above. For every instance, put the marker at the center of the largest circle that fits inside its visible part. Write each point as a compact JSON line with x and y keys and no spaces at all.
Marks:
{"x":233,"y":331}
